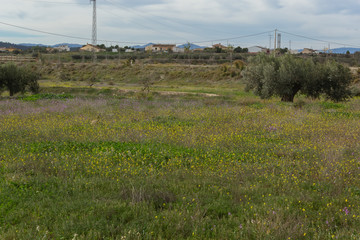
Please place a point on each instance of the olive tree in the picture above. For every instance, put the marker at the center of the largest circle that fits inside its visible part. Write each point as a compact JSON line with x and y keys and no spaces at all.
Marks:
{"x":287,"y":76}
{"x":18,"y":79}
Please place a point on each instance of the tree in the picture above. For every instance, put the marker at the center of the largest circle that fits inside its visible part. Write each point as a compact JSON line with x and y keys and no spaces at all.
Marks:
{"x":287,"y":76}
{"x":18,"y":79}
{"x":241,"y":50}
{"x":187,"y":47}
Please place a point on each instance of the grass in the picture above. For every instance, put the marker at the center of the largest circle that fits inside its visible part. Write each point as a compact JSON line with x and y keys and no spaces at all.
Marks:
{"x":178,"y":168}
{"x":109,"y":161}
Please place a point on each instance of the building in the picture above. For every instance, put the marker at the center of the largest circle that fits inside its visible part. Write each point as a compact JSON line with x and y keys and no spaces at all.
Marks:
{"x":178,"y":50}
{"x":308,"y":51}
{"x":63,"y":48}
{"x":160,"y":48}
{"x":10,"y":50}
{"x":220,"y":46}
{"x":91,"y":48}
{"x":258,"y":49}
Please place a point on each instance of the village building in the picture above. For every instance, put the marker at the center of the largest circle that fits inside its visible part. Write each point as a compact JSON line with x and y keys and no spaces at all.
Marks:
{"x":258,"y":49}
{"x":220,"y":46}
{"x":91,"y":48}
{"x":308,"y":51}
{"x":11,"y":50}
{"x":160,"y":48}
{"x":178,"y":50}
{"x":63,"y":48}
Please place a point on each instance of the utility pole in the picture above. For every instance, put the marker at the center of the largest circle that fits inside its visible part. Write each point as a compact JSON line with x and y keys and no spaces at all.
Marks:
{"x":270,"y":42}
{"x":94,"y":29}
{"x":275,"y":43}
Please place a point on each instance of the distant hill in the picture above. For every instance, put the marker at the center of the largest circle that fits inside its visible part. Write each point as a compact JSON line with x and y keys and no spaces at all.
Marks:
{"x":32,"y":45}
{"x":142,"y":46}
{"x":192,"y":46}
{"x":71,"y":45}
{"x":345,"y":50}
{"x":11,"y":45}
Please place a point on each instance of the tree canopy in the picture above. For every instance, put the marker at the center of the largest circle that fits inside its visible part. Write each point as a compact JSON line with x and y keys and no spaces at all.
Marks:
{"x":18,"y":79}
{"x":285,"y":76}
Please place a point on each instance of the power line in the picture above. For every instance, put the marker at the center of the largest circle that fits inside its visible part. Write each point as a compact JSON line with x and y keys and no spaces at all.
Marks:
{"x":234,"y":38}
{"x":146,"y":27}
{"x":63,"y":35}
{"x":161,"y":23}
{"x":44,"y":32}
{"x":196,"y":42}
{"x":319,"y":40}
{"x":141,"y":25}
{"x":67,"y":3}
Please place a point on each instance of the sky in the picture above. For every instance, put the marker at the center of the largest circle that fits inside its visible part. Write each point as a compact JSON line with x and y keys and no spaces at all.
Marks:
{"x":316,"y":24}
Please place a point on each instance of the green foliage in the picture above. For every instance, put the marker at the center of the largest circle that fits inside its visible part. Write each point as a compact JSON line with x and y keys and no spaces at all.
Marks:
{"x":239,"y":64}
{"x":36,"y":97}
{"x":110,"y":168}
{"x":287,"y":75}
{"x":241,"y":50}
{"x":18,"y":79}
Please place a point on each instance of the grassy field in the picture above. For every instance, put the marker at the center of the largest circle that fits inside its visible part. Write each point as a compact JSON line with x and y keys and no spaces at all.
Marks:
{"x":104,"y":163}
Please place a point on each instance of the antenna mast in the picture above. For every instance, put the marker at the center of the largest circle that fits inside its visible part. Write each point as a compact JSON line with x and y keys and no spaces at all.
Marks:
{"x":94,"y":30}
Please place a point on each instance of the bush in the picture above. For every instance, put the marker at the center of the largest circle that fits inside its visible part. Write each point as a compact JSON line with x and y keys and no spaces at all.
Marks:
{"x":287,"y":75}
{"x":18,"y":79}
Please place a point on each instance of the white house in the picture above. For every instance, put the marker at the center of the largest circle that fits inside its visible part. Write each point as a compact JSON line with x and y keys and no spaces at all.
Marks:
{"x":178,"y":50}
{"x":258,"y":49}
{"x":160,"y":47}
{"x":63,"y":48}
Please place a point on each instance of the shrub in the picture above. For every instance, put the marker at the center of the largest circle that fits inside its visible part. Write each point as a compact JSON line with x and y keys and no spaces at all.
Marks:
{"x":287,"y":75}
{"x":18,"y":79}
{"x":239,"y":64}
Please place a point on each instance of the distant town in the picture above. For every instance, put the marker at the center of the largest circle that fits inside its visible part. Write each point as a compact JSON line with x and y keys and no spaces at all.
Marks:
{"x":162,"y":48}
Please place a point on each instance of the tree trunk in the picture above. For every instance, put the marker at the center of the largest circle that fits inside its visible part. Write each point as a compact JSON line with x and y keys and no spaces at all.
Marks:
{"x":288,"y":98}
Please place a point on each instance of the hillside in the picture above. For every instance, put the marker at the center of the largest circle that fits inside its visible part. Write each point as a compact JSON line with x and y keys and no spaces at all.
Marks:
{"x":11,"y":45}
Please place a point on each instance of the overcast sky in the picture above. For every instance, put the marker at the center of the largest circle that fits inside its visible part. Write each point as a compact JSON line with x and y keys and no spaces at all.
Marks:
{"x":204,"y":22}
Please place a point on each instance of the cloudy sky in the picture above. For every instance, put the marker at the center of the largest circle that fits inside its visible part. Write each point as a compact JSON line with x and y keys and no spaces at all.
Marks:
{"x":302,"y":23}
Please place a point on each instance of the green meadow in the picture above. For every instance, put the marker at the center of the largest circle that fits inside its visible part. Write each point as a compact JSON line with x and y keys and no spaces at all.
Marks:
{"x":183,"y":160}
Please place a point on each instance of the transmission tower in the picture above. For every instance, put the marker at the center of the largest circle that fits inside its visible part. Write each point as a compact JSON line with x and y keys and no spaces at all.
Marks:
{"x":94,"y":30}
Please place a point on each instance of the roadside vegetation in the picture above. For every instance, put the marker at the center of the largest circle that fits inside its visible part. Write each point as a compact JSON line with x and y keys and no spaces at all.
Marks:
{"x":165,"y":151}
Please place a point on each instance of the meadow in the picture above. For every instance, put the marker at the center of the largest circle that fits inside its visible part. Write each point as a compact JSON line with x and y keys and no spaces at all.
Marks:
{"x":120,"y":165}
